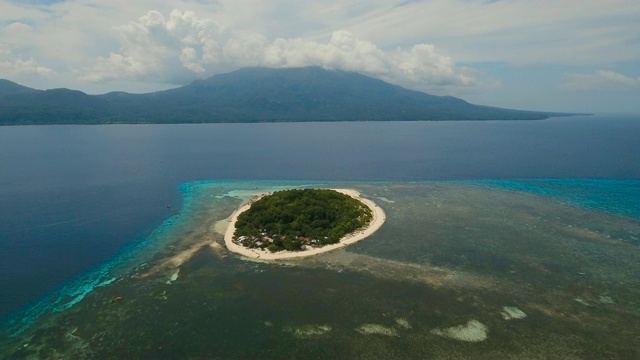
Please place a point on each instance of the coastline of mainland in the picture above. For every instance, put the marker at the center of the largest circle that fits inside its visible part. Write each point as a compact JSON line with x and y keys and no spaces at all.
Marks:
{"x":378,"y":219}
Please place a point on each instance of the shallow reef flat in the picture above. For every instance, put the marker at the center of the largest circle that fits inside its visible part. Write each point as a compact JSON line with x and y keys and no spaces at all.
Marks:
{"x":457,"y":271}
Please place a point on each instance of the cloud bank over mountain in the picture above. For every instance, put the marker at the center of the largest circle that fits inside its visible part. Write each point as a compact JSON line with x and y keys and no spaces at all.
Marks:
{"x":182,"y":46}
{"x":517,"y":53}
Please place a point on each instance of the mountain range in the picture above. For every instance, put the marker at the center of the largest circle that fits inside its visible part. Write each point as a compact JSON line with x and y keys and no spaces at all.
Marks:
{"x":249,"y":95}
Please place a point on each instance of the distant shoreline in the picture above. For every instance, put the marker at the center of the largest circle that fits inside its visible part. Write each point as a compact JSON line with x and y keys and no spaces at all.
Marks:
{"x":378,"y":219}
{"x":231,"y":98}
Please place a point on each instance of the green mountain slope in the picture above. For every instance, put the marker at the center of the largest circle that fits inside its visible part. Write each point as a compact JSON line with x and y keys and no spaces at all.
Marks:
{"x":8,"y":88}
{"x":249,"y":95}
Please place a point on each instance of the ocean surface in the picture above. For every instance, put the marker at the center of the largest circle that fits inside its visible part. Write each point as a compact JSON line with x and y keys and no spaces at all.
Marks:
{"x":81,"y":206}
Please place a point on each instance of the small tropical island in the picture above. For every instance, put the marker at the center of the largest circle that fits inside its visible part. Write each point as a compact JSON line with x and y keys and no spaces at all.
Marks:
{"x":301,"y":222}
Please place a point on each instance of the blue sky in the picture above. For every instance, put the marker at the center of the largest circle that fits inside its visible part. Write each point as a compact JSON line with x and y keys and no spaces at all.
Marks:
{"x":538,"y":55}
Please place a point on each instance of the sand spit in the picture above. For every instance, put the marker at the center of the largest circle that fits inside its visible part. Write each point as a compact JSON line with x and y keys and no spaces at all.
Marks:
{"x":472,"y":331}
{"x":173,"y":277}
{"x":424,"y":273}
{"x":377,"y":221}
{"x":403,"y":323}
{"x":221,"y":226}
{"x":376,"y":329}
{"x":308,"y":331}
{"x":606,"y":300}
{"x":512,"y":312}
{"x":176,"y":260}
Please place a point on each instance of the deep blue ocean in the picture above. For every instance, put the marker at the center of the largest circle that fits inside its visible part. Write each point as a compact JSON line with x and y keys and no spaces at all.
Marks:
{"x":73,"y":198}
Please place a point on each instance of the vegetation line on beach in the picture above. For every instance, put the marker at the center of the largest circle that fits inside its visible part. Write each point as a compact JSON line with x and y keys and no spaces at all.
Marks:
{"x":323,"y":231}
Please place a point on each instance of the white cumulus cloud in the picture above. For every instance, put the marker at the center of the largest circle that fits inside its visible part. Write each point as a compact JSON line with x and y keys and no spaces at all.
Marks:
{"x":155,"y":47}
{"x":184,"y":46}
{"x":17,"y":67}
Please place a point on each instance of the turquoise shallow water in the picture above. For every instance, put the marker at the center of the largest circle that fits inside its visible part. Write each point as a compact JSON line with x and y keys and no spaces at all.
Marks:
{"x":450,"y":254}
{"x":73,"y":197}
{"x":81,"y":206}
{"x":135,"y":256}
{"x":619,"y":197}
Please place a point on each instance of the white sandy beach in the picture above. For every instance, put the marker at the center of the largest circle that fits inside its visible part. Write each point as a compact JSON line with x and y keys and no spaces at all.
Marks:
{"x":377,"y":221}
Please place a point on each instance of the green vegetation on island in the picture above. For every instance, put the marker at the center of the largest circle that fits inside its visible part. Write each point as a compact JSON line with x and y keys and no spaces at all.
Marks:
{"x":300,"y":219}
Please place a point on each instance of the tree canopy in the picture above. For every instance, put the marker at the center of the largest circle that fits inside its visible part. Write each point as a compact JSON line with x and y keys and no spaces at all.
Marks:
{"x":292,"y":219}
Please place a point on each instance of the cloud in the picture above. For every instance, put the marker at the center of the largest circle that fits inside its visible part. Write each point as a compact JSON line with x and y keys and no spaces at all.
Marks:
{"x":16,"y":67}
{"x":601,"y":81}
{"x":184,"y":46}
{"x":438,"y":46}
{"x":159,"y":48}
{"x":514,"y":31}
{"x":17,"y":27}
